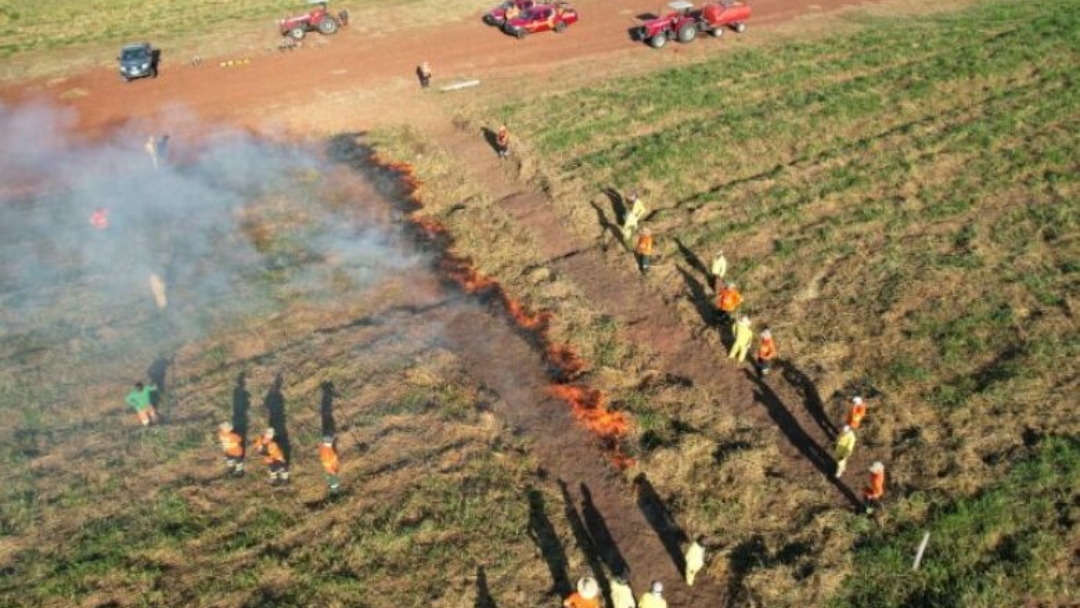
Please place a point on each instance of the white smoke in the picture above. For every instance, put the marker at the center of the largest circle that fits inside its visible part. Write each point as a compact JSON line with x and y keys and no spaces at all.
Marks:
{"x":227,"y":223}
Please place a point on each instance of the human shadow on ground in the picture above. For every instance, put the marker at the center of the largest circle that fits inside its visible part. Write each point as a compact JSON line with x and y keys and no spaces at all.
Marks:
{"x":483,"y":595}
{"x":607,"y":225}
{"x":241,"y":403}
{"x":157,"y":374}
{"x":547,"y":540}
{"x":811,"y":398}
{"x":492,"y":138}
{"x":661,"y":520}
{"x":798,"y":437}
{"x":597,"y":528}
{"x":693,"y":260}
{"x":275,"y":412}
{"x":585,"y":541}
{"x":700,"y":299}
{"x":618,"y":204}
{"x":326,"y":409}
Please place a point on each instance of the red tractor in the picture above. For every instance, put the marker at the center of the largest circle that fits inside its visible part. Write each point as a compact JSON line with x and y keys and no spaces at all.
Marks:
{"x":317,"y":19}
{"x":684,"y":22}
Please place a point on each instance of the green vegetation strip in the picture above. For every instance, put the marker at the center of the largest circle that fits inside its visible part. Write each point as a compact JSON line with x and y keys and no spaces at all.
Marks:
{"x":995,"y":549}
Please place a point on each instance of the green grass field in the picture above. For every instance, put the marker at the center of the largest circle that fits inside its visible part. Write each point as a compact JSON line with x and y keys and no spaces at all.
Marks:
{"x":899,"y":203}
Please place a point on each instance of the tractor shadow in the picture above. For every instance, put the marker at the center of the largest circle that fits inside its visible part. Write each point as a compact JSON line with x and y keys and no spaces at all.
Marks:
{"x":798,"y":437}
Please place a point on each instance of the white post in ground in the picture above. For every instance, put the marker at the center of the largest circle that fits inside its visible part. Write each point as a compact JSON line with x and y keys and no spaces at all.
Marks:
{"x":919,"y":553}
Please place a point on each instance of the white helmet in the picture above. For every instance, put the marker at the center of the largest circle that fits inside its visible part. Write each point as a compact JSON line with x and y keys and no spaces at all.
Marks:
{"x":856,"y":400}
{"x":269,"y":433}
{"x":225,"y":427}
{"x":657,"y":587}
{"x":588,"y":588}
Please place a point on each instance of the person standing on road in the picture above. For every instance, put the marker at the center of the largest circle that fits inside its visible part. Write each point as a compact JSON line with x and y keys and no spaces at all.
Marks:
{"x":273,"y":457}
{"x":743,"y":337}
{"x":331,"y":464}
{"x":873,"y":493}
{"x":502,"y":142}
{"x":586,"y":596}
{"x":621,"y":594}
{"x":141,"y":401}
{"x":423,"y":73}
{"x":654,"y":597}
{"x":845,"y":447}
{"x":644,"y":250}
{"x":766,"y":353}
{"x":717,"y":271}
{"x":695,"y":559}
{"x":857,"y":413}
{"x":233,"y":447}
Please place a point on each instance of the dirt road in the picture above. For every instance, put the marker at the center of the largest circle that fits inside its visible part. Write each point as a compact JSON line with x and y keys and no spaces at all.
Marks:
{"x":361,"y":59}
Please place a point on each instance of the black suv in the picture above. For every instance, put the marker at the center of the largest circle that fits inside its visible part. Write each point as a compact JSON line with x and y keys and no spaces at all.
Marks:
{"x":138,"y":60}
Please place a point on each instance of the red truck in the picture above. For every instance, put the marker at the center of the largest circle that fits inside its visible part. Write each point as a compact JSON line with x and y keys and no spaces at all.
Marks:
{"x":684,"y":22}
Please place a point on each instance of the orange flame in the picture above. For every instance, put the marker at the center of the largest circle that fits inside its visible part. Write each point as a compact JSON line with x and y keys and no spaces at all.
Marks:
{"x":588,"y":404}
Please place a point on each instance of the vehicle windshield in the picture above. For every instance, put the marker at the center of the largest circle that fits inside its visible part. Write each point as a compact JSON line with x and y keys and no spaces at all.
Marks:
{"x":135,"y":54}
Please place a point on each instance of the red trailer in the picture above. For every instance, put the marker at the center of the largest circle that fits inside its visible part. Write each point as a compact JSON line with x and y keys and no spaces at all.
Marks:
{"x":715,"y":16}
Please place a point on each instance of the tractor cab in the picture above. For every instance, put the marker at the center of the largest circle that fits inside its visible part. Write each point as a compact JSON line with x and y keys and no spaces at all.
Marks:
{"x":681,"y":7}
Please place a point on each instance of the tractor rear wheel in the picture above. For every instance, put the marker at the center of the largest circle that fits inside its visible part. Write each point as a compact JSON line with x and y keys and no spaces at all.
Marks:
{"x":658,"y":41}
{"x":688,"y":32}
{"x":328,"y":26}
{"x":740,"y":27}
{"x":297,"y":33}
{"x":560,"y":27}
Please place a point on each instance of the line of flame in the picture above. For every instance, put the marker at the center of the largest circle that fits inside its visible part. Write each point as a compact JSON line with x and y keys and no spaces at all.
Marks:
{"x":589,"y":405}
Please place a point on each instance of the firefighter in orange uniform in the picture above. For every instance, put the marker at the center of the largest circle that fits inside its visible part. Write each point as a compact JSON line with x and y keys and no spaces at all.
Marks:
{"x":502,"y":142}
{"x":274,"y":458}
{"x":644,"y":250}
{"x":857,"y":413}
{"x":586,"y":596}
{"x":766,"y":352}
{"x":728,"y":301}
{"x":331,"y":464}
{"x":876,"y":490}
{"x":233,"y":447}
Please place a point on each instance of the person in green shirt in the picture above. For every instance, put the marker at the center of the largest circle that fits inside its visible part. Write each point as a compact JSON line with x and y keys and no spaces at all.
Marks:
{"x":139,"y":400}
